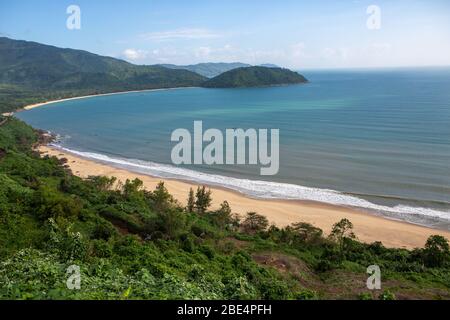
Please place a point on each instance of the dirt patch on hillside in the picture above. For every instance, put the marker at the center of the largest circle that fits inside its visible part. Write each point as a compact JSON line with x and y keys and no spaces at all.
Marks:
{"x":289,"y":266}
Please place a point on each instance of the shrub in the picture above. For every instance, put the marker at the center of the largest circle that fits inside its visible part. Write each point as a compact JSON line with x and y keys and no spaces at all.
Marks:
{"x":69,"y":245}
{"x":172,"y":223}
{"x":436,"y":252}
{"x":386,"y":295}
{"x":207,"y":251}
{"x":324,"y":265}
{"x":104,"y":231}
{"x":273,"y":289}
{"x":305,"y":295}
{"x":365,"y":296}
{"x":49,"y":203}
{"x":101,"y":249}
{"x":238,"y":287}
{"x":187,"y":243}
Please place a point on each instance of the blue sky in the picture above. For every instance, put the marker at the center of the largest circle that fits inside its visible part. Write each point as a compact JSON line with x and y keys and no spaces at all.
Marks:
{"x":297,"y":34}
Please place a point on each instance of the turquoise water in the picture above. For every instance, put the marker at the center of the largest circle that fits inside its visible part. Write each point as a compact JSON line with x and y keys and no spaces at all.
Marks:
{"x":378,"y":140}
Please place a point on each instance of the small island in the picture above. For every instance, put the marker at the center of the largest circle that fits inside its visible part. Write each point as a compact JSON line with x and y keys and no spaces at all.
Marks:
{"x":254,"y":77}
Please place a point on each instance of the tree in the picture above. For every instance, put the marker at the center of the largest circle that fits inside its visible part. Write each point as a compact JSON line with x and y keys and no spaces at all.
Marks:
{"x":254,"y":222}
{"x":436,"y":252}
{"x":203,"y":201}
{"x":102,"y":183}
{"x":306,"y":232}
{"x":191,"y":201}
{"x":341,"y":232}
{"x":161,"y":197}
{"x":172,"y":222}
{"x":132,"y":187}
{"x":223,"y":216}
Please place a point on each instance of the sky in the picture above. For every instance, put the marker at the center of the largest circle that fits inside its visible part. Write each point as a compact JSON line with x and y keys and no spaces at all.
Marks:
{"x":295,"y":34}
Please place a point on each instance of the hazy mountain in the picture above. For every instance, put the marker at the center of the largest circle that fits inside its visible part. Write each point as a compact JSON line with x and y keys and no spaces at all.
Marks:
{"x":268,"y":65}
{"x":210,"y":69}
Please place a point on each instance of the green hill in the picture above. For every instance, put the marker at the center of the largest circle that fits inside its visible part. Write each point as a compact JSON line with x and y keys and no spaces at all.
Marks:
{"x":209,"y":70}
{"x":32,"y":72}
{"x":254,"y":77}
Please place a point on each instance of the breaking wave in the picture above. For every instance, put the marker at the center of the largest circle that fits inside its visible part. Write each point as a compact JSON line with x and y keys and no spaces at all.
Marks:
{"x":271,"y":190}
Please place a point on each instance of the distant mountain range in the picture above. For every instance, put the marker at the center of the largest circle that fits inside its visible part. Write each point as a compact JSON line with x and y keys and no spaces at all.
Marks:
{"x":268,"y":65}
{"x":31,"y":72}
{"x":209,"y":69}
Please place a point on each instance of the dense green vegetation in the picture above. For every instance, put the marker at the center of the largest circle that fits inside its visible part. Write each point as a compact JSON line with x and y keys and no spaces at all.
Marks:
{"x":31,"y":72}
{"x":210,"y":69}
{"x":132,"y":243}
{"x":254,"y":77}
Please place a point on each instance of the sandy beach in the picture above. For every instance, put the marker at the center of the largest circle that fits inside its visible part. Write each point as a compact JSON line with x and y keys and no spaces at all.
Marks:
{"x":36,"y":105}
{"x":368,"y":228}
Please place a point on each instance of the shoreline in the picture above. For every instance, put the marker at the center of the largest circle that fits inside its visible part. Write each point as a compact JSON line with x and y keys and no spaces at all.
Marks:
{"x":368,"y":227}
{"x":40,"y":104}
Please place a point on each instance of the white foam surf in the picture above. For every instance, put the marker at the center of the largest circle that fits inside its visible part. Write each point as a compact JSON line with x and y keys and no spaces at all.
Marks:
{"x":265,"y":189}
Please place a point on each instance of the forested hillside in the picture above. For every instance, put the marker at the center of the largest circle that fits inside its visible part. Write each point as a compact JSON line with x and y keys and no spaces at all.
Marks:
{"x":31,"y":72}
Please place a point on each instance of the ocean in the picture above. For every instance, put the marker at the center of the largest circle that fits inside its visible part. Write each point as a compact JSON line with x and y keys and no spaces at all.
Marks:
{"x":378,"y":140}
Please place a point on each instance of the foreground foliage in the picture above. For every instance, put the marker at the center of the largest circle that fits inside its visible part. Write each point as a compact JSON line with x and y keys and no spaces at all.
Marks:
{"x":131,"y":243}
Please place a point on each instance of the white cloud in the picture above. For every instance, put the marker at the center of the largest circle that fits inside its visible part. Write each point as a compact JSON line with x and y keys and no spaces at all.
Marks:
{"x":203,"y":52}
{"x":336,"y":55}
{"x":296,"y":55}
{"x":378,"y":49}
{"x":292,"y":56}
{"x":183,"y":33}
{"x":133,"y":54}
{"x":298,"y":50}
